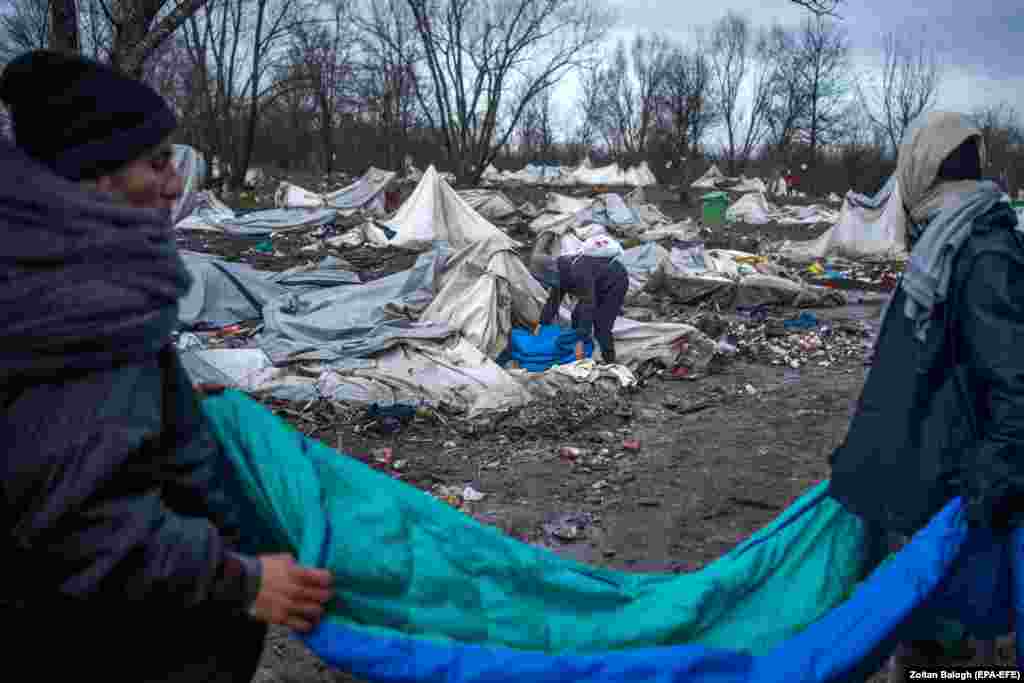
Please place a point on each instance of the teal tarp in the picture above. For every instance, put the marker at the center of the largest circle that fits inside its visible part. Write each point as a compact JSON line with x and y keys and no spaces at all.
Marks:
{"x":407,"y":562}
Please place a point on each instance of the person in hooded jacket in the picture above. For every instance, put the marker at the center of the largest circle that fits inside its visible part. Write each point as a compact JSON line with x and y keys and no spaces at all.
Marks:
{"x":942,"y":410}
{"x":121,"y":544}
{"x":599,"y":283}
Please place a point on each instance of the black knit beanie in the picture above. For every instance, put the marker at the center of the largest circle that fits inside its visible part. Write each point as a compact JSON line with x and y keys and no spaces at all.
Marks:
{"x":81,"y":118}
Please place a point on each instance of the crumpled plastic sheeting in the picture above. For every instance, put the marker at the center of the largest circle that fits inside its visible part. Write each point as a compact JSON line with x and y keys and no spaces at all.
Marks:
{"x":755,"y":209}
{"x":588,"y":371}
{"x":485,"y":290}
{"x":642,"y":263}
{"x":338,"y":320}
{"x":491,"y":204}
{"x":224,"y":293}
{"x":453,"y":374}
{"x":868,"y":228}
{"x":367,"y":192}
{"x":671,"y":344}
{"x":211,"y":214}
{"x":562,"y":213}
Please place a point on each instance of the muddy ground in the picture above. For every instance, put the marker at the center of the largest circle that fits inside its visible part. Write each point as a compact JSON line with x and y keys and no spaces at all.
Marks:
{"x":718,"y":457}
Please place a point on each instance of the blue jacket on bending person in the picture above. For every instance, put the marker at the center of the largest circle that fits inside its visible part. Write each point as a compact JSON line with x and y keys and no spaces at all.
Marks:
{"x":599,"y":284}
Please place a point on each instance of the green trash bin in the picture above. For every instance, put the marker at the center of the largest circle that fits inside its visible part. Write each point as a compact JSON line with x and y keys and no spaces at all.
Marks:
{"x":714,"y":204}
{"x":1017,"y":204}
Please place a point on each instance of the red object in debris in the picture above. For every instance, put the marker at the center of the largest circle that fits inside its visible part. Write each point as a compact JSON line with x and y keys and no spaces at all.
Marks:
{"x":229,"y":330}
{"x":680,"y":372}
{"x":569,"y":453}
{"x":631,"y":445}
{"x":382,"y":455}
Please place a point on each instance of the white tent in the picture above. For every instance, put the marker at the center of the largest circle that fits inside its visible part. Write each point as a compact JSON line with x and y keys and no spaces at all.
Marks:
{"x":436,"y":213}
{"x":366,"y":193}
{"x":491,"y":204}
{"x":755,"y":209}
{"x":862,"y":232}
{"x":751,"y":208}
{"x":710,"y":177}
{"x":484,"y":291}
{"x":640,"y":176}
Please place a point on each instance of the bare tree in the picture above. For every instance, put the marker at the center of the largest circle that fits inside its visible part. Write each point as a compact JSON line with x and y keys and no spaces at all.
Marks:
{"x":825,"y":56}
{"x":24,"y":26}
{"x":908,"y":86}
{"x":321,"y":57}
{"x":733,"y":53}
{"x":685,"y":108}
{"x":588,"y":107}
{"x":820,"y":7}
{"x":629,"y":93}
{"x":789,"y":98}
{"x":536,"y":128}
{"x":64,"y":32}
{"x":1002,"y":132}
{"x":390,"y":82}
{"x":476,"y":50}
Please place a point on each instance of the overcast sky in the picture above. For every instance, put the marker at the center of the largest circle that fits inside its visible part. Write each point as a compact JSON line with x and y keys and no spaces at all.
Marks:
{"x":980,"y":42}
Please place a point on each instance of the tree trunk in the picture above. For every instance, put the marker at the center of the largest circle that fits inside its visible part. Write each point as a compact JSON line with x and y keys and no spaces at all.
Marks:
{"x":64,"y":30}
{"x":238,"y":176}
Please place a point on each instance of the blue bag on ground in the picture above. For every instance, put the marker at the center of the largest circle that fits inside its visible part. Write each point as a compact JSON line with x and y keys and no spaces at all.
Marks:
{"x":552,"y":345}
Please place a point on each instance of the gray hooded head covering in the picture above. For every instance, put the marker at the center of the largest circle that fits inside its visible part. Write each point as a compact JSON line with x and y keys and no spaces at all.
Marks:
{"x":926,"y":144}
{"x":941,"y":212}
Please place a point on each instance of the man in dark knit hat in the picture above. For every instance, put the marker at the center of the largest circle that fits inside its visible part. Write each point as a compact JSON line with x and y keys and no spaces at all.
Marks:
{"x":121,"y":546}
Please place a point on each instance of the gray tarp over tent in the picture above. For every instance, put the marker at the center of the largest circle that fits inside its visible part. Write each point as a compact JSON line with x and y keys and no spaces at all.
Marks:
{"x":213,"y":215}
{"x":224,"y":293}
{"x":342,"y":322}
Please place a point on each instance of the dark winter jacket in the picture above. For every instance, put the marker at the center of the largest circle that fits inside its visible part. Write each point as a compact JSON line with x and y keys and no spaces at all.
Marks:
{"x":946,"y":417}
{"x":117,"y":538}
{"x":600,"y":286}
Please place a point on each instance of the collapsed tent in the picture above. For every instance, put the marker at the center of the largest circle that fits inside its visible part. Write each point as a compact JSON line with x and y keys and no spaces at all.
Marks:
{"x":426,"y":593}
{"x":868,"y":228}
{"x":755,"y":209}
{"x":491,"y":204}
{"x":436,"y":213}
{"x":365,"y":194}
{"x":211,"y":214}
{"x":484,"y":291}
{"x":692,"y":274}
{"x":714,"y":179}
{"x":224,"y":293}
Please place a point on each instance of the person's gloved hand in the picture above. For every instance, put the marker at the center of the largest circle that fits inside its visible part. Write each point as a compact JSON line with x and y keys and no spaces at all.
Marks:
{"x":290,"y":595}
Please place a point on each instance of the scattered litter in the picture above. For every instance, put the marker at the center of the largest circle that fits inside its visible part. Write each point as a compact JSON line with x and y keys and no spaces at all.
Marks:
{"x":471,"y":495}
{"x":631,"y":445}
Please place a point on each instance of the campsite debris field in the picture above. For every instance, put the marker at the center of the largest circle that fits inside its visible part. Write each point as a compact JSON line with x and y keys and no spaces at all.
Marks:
{"x":664,"y":477}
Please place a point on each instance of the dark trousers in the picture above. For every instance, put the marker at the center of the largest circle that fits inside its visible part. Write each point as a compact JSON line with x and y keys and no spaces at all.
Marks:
{"x":609,"y":296}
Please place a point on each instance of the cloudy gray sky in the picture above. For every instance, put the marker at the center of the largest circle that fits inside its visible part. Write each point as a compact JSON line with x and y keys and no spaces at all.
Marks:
{"x":980,"y":42}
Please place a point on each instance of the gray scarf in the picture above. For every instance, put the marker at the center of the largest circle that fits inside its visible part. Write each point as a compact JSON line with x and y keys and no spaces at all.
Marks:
{"x":926,"y":280}
{"x":85,"y":284}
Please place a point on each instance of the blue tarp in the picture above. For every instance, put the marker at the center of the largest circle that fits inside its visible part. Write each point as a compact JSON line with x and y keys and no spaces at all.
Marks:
{"x":552,"y":345}
{"x":424,"y":593}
